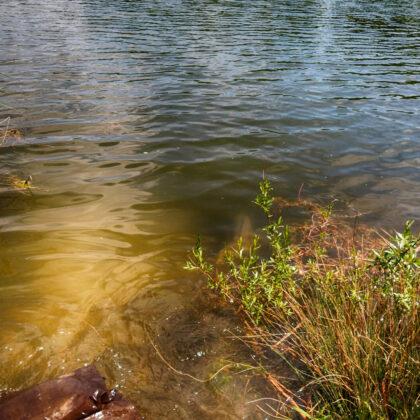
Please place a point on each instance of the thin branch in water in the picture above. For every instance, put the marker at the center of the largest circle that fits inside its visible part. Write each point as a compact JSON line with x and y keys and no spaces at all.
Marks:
{"x":300,"y":190}
{"x":183,"y":373}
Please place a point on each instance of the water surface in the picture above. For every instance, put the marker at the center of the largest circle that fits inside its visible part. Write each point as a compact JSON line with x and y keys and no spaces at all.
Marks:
{"x":146,"y":122}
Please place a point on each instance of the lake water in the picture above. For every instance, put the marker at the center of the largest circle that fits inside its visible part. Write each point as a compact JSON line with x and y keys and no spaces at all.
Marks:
{"x":146,"y":122}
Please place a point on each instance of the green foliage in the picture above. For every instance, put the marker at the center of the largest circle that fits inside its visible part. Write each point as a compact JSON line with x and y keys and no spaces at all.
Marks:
{"x":253,"y":281}
{"x":350,"y":315}
{"x":398,"y":269}
{"x":265,"y":199}
{"x":199,"y":261}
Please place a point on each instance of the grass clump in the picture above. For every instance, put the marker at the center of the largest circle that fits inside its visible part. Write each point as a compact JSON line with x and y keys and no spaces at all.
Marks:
{"x":339,"y":304}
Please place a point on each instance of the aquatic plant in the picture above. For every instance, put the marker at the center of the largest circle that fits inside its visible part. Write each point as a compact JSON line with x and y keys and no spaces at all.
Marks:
{"x":14,"y":183}
{"x":338,"y":303}
{"x":8,"y":134}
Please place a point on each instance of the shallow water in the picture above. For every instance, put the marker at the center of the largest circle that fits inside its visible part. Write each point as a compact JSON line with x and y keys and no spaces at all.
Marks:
{"x":146,"y":122}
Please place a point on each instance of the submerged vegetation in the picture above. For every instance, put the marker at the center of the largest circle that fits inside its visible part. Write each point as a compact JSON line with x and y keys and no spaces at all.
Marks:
{"x":7,"y":134}
{"x":8,"y":137}
{"x":338,"y":304}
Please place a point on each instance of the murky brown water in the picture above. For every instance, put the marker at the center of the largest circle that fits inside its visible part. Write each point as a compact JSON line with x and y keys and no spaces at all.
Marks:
{"x":146,"y":122}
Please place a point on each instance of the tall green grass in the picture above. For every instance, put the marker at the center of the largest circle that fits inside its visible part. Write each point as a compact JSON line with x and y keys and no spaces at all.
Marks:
{"x":339,"y":304}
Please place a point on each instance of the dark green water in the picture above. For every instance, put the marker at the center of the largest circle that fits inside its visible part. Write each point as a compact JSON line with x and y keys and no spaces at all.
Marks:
{"x":146,"y":122}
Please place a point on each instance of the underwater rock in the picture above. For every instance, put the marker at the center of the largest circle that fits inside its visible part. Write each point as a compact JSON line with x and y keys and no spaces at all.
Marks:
{"x":78,"y":395}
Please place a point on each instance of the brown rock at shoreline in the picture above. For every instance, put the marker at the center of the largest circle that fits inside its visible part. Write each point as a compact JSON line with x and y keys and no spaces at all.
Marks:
{"x":77,"y":395}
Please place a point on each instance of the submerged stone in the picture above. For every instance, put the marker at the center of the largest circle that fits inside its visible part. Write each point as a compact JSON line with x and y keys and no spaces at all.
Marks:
{"x":81,"y":394}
